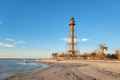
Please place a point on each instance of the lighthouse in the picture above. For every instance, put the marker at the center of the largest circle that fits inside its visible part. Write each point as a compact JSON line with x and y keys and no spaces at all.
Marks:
{"x":72,"y":39}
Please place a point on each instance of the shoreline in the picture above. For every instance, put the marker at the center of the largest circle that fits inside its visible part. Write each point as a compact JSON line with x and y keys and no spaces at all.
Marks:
{"x":26,"y":75}
{"x":75,"y":70}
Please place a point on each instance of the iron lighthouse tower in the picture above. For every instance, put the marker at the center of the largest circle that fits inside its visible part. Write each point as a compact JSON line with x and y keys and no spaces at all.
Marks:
{"x":72,"y":40}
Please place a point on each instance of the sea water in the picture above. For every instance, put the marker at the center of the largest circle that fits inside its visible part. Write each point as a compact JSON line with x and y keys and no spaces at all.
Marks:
{"x":9,"y":67}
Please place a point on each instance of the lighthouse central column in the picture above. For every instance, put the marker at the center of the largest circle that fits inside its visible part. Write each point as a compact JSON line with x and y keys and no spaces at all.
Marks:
{"x":72,"y":37}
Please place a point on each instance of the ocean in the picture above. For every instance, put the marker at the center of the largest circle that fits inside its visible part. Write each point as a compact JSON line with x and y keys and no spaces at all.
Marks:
{"x":9,"y":67}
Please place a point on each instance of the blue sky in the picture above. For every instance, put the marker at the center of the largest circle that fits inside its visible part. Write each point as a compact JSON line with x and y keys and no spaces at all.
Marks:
{"x":35,"y":28}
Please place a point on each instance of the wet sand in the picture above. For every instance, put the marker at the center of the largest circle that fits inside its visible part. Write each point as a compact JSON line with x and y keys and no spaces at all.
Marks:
{"x":77,"y":70}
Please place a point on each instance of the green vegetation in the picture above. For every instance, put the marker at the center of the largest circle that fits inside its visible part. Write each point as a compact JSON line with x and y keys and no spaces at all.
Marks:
{"x":99,"y":54}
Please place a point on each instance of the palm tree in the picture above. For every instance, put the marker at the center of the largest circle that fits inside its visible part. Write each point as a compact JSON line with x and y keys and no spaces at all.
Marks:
{"x":103,"y":48}
{"x":102,"y":51}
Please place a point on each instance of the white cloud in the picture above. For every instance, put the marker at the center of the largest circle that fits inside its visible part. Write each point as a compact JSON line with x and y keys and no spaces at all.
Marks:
{"x":10,"y":39}
{"x":64,"y":39}
{"x":76,"y":40}
{"x":6,"y":45}
{"x":69,"y":40}
{"x":10,"y":43}
{"x":84,"y":39}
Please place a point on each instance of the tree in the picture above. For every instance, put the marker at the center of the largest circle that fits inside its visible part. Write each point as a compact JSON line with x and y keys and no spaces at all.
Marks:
{"x":93,"y":55}
{"x":61,"y":55}
{"x":54,"y":55}
{"x":117,"y":54}
{"x":111,"y":56}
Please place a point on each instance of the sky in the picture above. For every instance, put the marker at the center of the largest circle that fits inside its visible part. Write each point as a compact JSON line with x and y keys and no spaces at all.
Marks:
{"x":36,"y":28}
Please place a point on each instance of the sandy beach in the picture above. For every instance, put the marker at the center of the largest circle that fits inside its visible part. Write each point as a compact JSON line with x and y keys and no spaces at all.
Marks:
{"x":75,"y":70}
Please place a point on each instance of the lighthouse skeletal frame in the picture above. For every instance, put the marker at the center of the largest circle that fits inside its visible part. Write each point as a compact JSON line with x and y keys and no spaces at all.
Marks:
{"x":72,"y":39}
